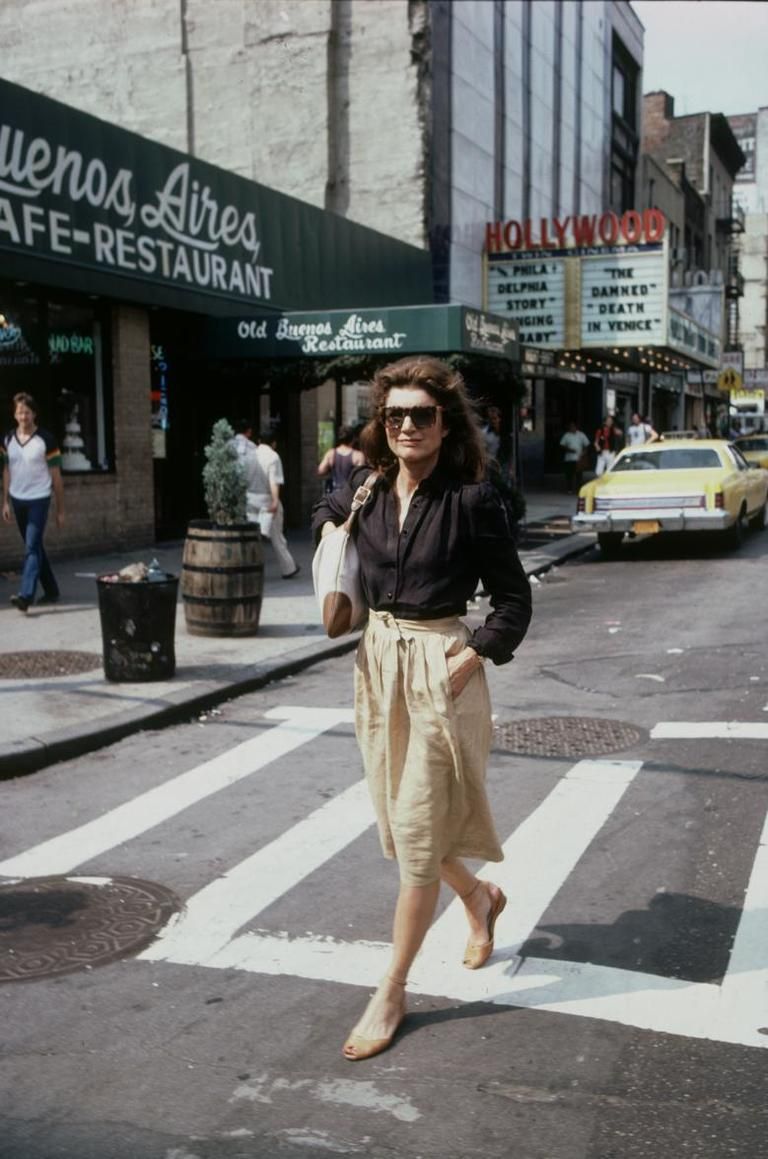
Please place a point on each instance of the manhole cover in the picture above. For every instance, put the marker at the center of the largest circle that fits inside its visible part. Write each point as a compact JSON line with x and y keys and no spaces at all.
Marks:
{"x":26,"y":665}
{"x":565,"y":736}
{"x":56,"y":925}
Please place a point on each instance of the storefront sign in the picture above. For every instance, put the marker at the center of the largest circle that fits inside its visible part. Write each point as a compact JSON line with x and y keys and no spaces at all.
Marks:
{"x":703,"y":378}
{"x":672,"y":383}
{"x":749,"y":400}
{"x":702,"y":303}
{"x":688,"y":337}
{"x":531,"y":290}
{"x":78,"y":192}
{"x":583,"y":231}
{"x":389,"y":332}
{"x":623,"y":299}
{"x":15,"y":350}
{"x":486,"y":334}
{"x":70,"y":344}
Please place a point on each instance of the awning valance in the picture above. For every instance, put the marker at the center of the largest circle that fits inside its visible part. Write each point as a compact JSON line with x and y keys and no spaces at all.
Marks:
{"x":390,"y":331}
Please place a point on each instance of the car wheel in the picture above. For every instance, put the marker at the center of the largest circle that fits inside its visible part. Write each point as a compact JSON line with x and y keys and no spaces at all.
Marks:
{"x":734,"y":536}
{"x":610,"y":543}
{"x":758,"y":520}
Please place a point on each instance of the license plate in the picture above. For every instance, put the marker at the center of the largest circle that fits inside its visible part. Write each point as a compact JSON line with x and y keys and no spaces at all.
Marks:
{"x":646,"y":526}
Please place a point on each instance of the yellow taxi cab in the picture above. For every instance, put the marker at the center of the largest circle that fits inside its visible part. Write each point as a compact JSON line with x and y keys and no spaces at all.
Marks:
{"x":672,"y":486}
{"x":754,"y":448}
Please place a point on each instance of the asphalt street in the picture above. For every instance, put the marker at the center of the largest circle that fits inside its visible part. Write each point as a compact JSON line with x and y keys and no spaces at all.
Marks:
{"x":624,"y":1014}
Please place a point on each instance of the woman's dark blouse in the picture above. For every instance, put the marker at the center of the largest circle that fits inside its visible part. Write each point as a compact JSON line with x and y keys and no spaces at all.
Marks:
{"x":454,"y":535}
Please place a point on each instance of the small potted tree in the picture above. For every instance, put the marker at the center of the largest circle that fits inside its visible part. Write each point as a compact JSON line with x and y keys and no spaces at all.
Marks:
{"x":222,"y":574}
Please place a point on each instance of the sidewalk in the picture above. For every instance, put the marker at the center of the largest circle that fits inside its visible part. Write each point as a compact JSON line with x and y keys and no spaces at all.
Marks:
{"x":50,"y":718}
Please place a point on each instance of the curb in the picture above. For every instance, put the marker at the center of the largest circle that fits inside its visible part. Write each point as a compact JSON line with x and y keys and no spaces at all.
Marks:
{"x":20,"y":758}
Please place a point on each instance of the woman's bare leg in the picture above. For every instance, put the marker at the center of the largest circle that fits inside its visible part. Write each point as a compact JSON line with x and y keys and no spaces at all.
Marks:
{"x":477,"y":902}
{"x":413,"y":917}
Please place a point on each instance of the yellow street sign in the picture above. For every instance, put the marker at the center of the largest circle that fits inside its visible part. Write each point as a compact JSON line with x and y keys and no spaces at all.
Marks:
{"x":729,"y":379}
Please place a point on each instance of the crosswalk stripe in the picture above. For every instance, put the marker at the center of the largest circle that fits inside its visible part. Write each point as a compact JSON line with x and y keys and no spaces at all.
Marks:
{"x":541,"y":853}
{"x":538,"y":858}
{"x":215,"y":914}
{"x":746,"y":981}
{"x":63,"y":853}
{"x":710,"y":730}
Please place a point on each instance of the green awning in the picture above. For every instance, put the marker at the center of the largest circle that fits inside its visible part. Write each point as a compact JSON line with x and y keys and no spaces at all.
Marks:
{"x":92,"y":207}
{"x":391,"y":332}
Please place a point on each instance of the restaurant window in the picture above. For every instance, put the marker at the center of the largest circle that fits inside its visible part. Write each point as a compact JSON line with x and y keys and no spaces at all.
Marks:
{"x":54,"y":348}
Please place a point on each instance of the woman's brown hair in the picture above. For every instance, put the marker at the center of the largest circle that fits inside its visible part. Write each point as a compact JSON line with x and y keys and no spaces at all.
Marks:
{"x":463,"y":452}
{"x":24,"y":399}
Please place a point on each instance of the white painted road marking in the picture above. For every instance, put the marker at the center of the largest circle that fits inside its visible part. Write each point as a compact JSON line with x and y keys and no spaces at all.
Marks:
{"x":541,"y":854}
{"x":214,"y":915}
{"x":710,"y":730}
{"x":65,"y":852}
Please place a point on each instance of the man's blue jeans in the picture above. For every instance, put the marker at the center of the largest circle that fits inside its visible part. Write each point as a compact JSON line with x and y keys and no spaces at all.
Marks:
{"x":31,"y":517}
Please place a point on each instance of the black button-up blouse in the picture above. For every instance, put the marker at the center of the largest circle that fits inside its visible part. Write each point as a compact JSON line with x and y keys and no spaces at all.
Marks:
{"x":454,"y":534}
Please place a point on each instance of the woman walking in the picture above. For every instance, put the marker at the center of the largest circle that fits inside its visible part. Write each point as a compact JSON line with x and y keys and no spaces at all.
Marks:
{"x":340,"y":461}
{"x":430,"y":531}
{"x":31,"y":473}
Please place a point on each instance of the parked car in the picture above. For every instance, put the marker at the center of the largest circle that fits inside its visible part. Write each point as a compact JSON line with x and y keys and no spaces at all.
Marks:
{"x":677,"y":485}
{"x":754,"y":448}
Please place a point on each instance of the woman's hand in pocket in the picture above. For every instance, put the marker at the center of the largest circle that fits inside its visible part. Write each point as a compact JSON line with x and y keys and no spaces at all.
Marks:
{"x":461,"y":667}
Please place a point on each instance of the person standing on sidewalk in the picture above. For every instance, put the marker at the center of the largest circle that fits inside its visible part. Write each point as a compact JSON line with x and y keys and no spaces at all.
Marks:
{"x":640,"y":431}
{"x":429,"y":531}
{"x":608,"y":443}
{"x":31,"y":474}
{"x":257,"y":496}
{"x":575,"y":445}
{"x":271,"y":514}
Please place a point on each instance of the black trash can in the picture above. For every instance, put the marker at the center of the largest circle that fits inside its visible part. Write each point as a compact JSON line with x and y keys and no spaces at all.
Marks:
{"x":138,"y":622}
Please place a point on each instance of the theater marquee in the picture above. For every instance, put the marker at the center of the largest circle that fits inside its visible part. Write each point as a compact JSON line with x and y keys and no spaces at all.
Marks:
{"x":591,"y":282}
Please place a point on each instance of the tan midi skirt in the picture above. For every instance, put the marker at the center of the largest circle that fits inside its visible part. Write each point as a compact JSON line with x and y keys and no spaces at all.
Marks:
{"x":424,"y":750}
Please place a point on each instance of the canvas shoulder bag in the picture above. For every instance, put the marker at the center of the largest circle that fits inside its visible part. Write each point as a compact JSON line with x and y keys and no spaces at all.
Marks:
{"x":336,"y":571}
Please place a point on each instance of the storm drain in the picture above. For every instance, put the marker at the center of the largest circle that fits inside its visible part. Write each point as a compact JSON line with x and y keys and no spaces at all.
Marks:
{"x":565,"y":736}
{"x":31,"y":665}
{"x":57,"y":925}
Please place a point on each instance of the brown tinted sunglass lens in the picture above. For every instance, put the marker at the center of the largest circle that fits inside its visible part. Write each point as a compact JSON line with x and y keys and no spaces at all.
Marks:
{"x":421,"y":416}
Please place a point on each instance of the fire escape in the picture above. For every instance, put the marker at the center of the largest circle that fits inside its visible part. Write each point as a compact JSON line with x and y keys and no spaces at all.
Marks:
{"x":730,"y":221}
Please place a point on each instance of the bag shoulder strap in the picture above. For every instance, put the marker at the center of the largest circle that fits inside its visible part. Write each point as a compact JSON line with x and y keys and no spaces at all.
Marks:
{"x":361,"y":497}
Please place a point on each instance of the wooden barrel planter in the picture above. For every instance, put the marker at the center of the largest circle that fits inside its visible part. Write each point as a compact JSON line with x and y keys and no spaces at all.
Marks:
{"x":222,"y":578}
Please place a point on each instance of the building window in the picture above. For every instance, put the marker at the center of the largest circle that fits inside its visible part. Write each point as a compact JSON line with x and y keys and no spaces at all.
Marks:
{"x":54,"y":347}
{"x":624,"y":134}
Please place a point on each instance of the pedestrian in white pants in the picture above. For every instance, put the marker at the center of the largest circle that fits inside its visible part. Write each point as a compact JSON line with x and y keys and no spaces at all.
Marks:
{"x":264,"y":473}
{"x":270,"y":508}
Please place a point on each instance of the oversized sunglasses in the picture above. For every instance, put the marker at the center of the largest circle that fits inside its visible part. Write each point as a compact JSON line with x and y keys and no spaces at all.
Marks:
{"x":421,"y":416}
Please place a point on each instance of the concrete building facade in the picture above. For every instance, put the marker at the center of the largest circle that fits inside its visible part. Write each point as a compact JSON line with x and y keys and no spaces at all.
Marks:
{"x":751,"y":193}
{"x":692,"y":164}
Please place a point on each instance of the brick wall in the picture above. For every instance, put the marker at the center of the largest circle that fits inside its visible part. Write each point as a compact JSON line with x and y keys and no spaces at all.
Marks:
{"x":658,"y":110}
{"x":134,"y":512}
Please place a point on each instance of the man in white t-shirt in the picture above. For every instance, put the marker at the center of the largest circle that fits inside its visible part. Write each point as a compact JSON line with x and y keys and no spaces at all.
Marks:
{"x":574,"y":443}
{"x":270,"y":515}
{"x":258,"y":491}
{"x":640,"y":431}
